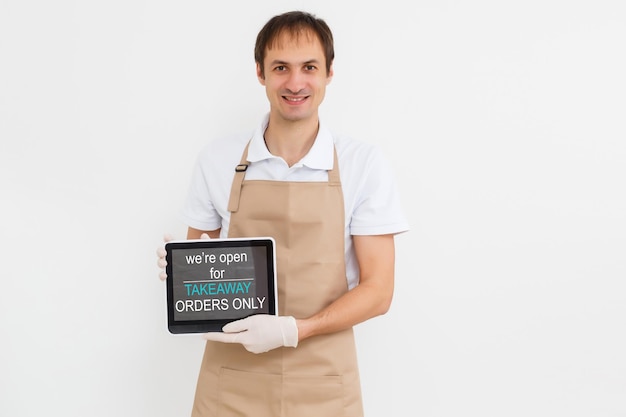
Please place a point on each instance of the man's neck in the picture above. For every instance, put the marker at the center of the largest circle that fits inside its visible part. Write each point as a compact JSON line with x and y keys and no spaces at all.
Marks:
{"x":291,"y":140}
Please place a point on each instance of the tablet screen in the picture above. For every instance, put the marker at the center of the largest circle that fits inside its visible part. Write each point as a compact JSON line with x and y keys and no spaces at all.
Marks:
{"x":213,"y":282}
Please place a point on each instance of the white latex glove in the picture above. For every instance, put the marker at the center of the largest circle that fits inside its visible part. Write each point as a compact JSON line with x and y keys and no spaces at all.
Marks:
{"x":161,"y":253}
{"x":161,"y":262}
{"x":259,"y":333}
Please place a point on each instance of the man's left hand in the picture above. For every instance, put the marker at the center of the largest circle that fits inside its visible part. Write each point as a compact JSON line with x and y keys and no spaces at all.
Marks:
{"x":259,"y":333}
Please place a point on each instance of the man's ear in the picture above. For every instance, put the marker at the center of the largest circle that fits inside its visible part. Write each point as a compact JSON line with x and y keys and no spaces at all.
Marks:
{"x":331,"y":72}
{"x":259,"y":74}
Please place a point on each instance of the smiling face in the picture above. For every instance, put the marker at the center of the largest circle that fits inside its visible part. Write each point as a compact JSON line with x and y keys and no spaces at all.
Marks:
{"x":295,"y":77}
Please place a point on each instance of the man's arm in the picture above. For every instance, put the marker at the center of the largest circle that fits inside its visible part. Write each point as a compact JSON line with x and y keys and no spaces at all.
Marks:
{"x":197,"y":234}
{"x":371,"y":298}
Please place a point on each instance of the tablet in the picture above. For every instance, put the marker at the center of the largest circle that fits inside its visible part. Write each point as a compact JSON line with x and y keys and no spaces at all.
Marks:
{"x":213,"y":282}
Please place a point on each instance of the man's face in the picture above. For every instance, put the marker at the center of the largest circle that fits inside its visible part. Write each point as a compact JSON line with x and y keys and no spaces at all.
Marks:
{"x":295,"y":77}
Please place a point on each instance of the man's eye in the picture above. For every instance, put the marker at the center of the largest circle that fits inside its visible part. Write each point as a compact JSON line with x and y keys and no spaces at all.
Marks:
{"x":310,"y":67}
{"x":280,"y":68}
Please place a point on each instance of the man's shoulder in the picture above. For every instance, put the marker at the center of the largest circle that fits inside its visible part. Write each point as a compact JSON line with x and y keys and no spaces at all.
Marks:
{"x":352,"y":149}
{"x":222,"y":153}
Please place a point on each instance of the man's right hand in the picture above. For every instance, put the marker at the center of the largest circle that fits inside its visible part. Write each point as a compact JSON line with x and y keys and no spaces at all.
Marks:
{"x":161,"y":262}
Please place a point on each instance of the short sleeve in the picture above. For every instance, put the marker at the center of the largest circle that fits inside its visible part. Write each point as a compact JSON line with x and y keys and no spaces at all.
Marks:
{"x":377,"y":207}
{"x":198,"y":210}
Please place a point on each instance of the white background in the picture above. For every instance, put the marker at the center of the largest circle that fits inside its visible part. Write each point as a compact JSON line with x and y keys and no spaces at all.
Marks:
{"x":505,"y":122}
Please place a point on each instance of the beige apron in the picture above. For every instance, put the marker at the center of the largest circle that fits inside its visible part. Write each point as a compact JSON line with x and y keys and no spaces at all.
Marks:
{"x":320,"y":377}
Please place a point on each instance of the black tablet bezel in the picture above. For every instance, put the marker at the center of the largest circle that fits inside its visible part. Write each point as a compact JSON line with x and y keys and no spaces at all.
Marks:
{"x":215,"y":325}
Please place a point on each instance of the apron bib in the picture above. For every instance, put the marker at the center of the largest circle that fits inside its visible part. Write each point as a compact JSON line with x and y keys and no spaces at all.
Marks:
{"x":320,"y":377}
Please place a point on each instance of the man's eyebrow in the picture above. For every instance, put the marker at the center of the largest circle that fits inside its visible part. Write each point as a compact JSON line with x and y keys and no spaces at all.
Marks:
{"x":308,"y":62}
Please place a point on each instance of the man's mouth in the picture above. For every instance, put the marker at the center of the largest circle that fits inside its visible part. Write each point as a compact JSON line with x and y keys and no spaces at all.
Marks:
{"x":295,"y":99}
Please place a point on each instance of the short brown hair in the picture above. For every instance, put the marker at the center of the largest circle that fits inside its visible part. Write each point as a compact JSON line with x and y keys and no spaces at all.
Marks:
{"x":296,"y":23}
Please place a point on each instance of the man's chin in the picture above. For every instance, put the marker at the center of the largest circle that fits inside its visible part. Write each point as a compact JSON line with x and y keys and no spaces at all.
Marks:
{"x":295,"y":116}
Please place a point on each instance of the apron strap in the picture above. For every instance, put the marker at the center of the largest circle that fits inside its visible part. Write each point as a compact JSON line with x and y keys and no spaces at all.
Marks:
{"x":333,"y":174}
{"x":240,"y":173}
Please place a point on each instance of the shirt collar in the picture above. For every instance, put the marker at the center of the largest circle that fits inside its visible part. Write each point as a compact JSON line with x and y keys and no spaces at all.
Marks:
{"x":320,"y":155}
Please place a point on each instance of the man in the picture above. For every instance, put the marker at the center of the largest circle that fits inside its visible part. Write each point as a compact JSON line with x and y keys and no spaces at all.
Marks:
{"x":331,"y":205}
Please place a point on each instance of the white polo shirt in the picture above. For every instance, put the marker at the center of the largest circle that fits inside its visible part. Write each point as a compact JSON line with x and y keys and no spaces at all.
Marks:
{"x":371,"y":200}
